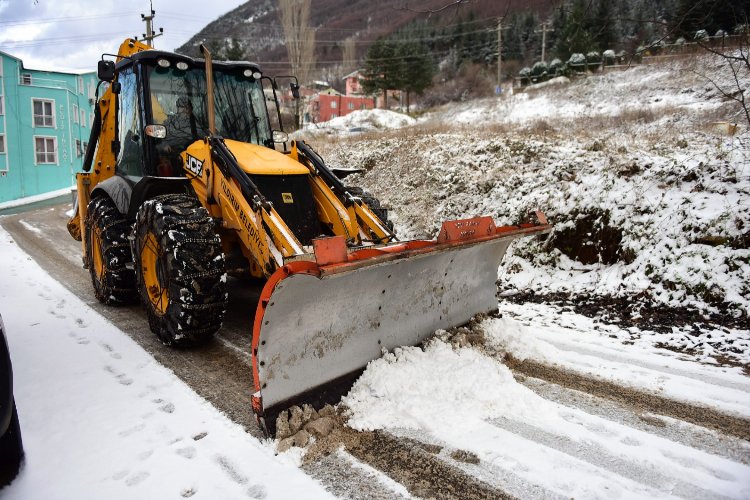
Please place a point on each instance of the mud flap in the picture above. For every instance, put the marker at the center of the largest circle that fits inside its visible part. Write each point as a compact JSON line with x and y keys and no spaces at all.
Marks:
{"x":316,"y":324}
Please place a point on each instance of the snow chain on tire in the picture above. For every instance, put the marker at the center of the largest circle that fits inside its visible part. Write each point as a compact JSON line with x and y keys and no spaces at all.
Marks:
{"x":185,"y":295}
{"x":107,"y":253}
{"x":373,"y":204}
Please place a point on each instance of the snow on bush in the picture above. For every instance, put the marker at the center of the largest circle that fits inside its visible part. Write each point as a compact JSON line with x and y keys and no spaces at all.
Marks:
{"x":701,"y":35}
{"x":539,"y":69}
{"x":577,"y":59}
{"x":609,"y":57}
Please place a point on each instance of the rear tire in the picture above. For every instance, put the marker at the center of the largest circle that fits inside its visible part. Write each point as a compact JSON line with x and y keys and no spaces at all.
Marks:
{"x":107,"y":253}
{"x":180,"y":270}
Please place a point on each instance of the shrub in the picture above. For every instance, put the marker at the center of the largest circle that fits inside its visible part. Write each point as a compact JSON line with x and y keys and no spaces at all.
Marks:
{"x":593,"y":59}
{"x":556,"y":67}
{"x":609,"y":57}
{"x":539,"y":72}
{"x":525,"y":75}
{"x":701,"y":36}
{"x":577,"y":62}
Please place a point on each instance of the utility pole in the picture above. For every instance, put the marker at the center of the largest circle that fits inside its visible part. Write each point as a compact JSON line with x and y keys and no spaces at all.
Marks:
{"x":543,"y":31}
{"x":499,"y":88}
{"x":149,"y":35}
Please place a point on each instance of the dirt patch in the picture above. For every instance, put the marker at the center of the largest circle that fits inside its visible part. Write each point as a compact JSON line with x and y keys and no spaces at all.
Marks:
{"x":414,"y":464}
{"x":642,"y":402}
{"x":423,"y":474}
{"x":591,"y":239}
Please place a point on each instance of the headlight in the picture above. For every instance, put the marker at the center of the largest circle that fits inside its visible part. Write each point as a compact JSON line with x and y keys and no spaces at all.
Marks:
{"x":164,"y":63}
{"x":182,"y":65}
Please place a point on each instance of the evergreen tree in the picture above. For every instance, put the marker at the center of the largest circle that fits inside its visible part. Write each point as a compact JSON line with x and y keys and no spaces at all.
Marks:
{"x":603,"y":25}
{"x":234,"y":52}
{"x":382,"y":69}
{"x":417,"y":68}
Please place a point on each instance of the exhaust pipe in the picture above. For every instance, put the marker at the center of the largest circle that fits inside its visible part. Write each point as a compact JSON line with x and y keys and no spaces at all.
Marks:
{"x":209,"y":88}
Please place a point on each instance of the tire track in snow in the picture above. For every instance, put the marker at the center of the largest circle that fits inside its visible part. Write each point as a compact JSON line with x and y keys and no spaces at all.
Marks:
{"x":644,"y":401}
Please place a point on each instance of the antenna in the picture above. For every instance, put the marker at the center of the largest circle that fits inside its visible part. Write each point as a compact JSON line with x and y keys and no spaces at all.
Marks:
{"x":149,"y":35}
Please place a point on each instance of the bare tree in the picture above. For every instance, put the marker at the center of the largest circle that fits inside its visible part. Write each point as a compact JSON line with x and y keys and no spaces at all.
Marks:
{"x":349,"y":56}
{"x":737,"y":59}
{"x":300,"y":37}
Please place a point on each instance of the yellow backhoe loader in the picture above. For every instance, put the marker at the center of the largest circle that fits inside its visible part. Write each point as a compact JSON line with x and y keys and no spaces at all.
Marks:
{"x":185,"y":181}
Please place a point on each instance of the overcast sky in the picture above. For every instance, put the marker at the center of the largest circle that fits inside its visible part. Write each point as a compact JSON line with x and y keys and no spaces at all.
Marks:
{"x":71,"y":35}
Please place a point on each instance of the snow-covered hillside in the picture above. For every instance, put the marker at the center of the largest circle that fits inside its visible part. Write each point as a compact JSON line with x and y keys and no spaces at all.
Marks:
{"x":650,"y":199}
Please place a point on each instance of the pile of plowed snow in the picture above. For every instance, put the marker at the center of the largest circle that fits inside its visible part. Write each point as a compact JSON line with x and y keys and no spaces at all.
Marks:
{"x":366,"y":120}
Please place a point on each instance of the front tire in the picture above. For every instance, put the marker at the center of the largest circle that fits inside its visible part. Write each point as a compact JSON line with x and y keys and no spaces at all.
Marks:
{"x":108,"y":252}
{"x":180,"y":270}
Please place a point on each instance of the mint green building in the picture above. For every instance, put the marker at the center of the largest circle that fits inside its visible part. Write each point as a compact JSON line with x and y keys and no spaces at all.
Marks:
{"x":45,"y":124}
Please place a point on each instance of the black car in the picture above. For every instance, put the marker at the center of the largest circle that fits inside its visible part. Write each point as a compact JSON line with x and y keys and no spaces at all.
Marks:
{"x":11,"y":447}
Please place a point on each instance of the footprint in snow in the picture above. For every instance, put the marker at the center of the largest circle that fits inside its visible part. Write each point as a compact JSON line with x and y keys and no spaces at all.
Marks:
{"x":137,"y":478}
{"x":111,"y":351}
{"x":257,"y":491}
{"x":167,"y":408}
{"x":144,"y":455}
{"x":124,"y":379}
{"x":629,"y":441}
{"x":132,"y":430}
{"x":188,"y":452}
{"x":227,"y":467}
{"x":188,"y":492}
{"x":119,"y":475}
{"x":80,"y":323}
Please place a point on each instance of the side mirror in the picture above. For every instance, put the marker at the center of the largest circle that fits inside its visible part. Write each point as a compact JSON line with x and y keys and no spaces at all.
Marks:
{"x":105,"y":70}
{"x":295,"y":90}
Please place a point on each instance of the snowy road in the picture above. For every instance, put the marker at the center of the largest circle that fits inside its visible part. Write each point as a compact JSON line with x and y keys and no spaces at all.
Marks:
{"x":577,"y":414}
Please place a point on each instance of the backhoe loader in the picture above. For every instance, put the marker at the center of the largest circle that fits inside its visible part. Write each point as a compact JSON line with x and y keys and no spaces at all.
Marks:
{"x":184,"y":182}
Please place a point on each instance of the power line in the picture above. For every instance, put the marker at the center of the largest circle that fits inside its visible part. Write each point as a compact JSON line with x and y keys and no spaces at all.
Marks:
{"x":26,"y":22}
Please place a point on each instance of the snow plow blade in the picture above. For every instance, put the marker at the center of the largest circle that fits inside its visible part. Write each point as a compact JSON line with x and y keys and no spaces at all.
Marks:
{"x":320,"y":323}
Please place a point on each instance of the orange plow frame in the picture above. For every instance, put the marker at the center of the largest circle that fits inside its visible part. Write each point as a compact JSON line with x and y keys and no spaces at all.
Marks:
{"x":334,"y":258}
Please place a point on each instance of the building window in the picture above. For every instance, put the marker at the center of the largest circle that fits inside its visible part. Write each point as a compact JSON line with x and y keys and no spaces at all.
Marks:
{"x":83,"y":117}
{"x":351,"y":105}
{"x":45,"y":149}
{"x":44,"y":113}
{"x":334,"y":115}
{"x":74,"y":114}
{"x":333,"y":104}
{"x":80,"y":85}
{"x":362,"y":106}
{"x":26,"y":79}
{"x":85,"y":147}
{"x":2,"y":105}
{"x":79,"y":153}
{"x":2,"y":144}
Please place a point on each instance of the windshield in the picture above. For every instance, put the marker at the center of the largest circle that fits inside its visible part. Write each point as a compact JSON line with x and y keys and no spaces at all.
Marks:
{"x":178,"y":102}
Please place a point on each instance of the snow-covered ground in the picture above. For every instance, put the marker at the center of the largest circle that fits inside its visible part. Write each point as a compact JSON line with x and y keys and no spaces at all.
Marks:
{"x":466,"y":399}
{"x":101,"y":419}
{"x":649,"y":198}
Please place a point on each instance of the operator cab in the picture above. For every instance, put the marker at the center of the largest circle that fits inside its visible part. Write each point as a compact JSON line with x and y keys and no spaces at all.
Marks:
{"x":174,"y":112}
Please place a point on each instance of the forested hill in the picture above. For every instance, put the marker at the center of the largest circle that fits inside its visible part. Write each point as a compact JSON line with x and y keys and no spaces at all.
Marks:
{"x":463,"y":30}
